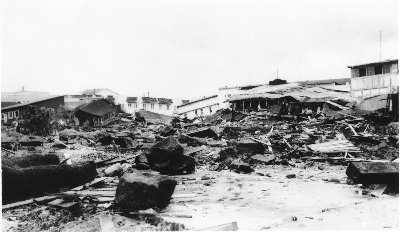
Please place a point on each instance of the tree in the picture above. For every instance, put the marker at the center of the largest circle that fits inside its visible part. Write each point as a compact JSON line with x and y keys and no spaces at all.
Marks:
{"x":37,"y":121}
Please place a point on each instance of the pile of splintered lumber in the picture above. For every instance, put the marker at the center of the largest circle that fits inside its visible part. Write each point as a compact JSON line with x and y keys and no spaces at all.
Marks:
{"x":335,"y":146}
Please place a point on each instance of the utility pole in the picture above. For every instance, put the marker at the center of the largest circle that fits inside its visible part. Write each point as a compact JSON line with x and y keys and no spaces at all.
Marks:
{"x":380,"y":45}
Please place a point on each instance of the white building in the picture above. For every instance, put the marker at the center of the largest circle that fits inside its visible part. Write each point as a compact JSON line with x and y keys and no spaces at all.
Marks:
{"x":164,"y":106}
{"x":209,"y":105}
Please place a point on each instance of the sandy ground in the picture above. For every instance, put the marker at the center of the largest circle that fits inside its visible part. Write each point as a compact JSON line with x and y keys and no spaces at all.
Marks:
{"x":318,"y":198}
{"x":262,"y":202}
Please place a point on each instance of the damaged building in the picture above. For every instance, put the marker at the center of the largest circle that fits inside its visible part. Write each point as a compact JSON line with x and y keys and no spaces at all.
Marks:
{"x":96,"y":113}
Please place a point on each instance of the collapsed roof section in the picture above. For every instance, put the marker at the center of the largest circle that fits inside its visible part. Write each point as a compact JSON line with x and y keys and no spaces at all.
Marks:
{"x":297,"y":91}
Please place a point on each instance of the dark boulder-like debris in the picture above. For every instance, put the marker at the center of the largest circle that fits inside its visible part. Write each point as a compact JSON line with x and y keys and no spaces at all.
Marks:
{"x":167,"y":157}
{"x":240,"y":167}
{"x":225,"y":153}
{"x":143,"y":190}
{"x":21,"y":183}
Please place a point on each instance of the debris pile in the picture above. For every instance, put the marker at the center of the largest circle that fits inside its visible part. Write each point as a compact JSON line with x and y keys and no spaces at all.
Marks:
{"x":135,"y":164}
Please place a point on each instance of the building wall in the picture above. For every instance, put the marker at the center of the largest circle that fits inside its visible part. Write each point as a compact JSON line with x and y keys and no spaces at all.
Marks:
{"x":374,"y":85}
{"x":369,"y":80}
{"x":202,"y":107}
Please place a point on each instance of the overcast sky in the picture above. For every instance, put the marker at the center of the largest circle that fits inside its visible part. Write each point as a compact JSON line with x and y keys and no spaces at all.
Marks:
{"x":186,"y":48}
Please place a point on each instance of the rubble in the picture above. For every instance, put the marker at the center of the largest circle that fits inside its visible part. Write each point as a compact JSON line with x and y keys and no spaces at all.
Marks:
{"x":149,"y":162}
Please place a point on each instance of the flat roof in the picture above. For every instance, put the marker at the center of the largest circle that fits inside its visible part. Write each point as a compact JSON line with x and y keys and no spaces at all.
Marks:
{"x":374,"y":63}
{"x":198,"y":100}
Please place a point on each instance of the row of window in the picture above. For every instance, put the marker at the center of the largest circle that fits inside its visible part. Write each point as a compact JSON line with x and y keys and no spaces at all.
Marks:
{"x":135,"y":105}
{"x":10,"y":115}
{"x":373,"y":70}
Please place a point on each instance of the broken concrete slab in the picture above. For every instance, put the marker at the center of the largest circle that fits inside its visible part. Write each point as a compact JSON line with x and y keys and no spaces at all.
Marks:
{"x":144,"y":190}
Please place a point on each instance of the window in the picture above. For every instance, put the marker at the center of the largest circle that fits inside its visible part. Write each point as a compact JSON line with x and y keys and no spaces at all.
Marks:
{"x":210,"y":109}
{"x":195,"y":112}
{"x":144,"y":105}
{"x":386,"y":68}
{"x":362,"y":72}
{"x":378,"y":70}
{"x":370,"y":71}
{"x":167,"y":107}
{"x":135,"y":105}
{"x":159,"y":106}
{"x":201,"y":112}
{"x":16,"y":114}
{"x":152,"y":106}
{"x":10,"y":114}
{"x":3,"y":116}
{"x":129,"y":104}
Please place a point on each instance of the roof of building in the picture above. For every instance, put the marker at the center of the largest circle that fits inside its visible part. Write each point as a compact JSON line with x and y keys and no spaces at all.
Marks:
{"x":340,"y":81}
{"x":198,"y":100}
{"x":165,"y":101}
{"x":6,"y":104}
{"x":29,"y":103}
{"x":374,"y":63}
{"x":131,"y":99}
{"x":243,"y":87}
{"x":295,"y":90}
{"x":97,"y":107}
{"x":94,"y":91}
{"x":149,"y":100}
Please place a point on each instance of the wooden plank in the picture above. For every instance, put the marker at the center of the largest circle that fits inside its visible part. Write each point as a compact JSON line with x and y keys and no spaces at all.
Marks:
{"x":352,"y":129}
{"x":106,"y":223}
{"x":27,"y":202}
{"x":95,"y":181}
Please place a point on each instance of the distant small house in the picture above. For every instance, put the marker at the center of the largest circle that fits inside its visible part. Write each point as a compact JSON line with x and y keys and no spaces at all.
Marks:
{"x":149,"y":102}
{"x":96,"y":113}
{"x":16,"y":112}
{"x":164,"y":103}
